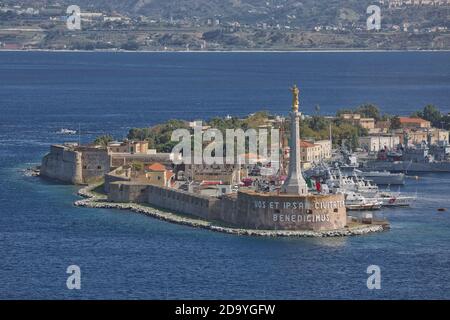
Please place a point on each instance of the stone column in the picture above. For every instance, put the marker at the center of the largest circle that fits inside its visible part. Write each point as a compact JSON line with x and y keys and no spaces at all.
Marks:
{"x":295,"y":183}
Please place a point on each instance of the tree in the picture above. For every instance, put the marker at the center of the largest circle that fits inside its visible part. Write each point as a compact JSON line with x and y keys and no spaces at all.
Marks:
{"x":395,"y":123}
{"x":257,"y":119}
{"x":103,"y":140}
{"x":344,"y":111}
{"x":131,"y":45}
{"x":432,"y":114}
{"x":137,"y":166}
{"x":318,"y":123}
{"x":369,"y":111}
{"x":445,"y":122}
{"x":317,"y":108}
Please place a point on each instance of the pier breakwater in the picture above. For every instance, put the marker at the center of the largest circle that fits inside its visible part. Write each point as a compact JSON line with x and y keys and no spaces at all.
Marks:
{"x":97,"y":201}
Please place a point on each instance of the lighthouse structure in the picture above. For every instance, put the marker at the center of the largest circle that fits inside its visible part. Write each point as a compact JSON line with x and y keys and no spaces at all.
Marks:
{"x":295,"y":183}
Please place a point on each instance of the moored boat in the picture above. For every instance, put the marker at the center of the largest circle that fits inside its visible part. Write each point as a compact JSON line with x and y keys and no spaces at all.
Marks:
{"x":354,"y":201}
{"x":395,"y":200}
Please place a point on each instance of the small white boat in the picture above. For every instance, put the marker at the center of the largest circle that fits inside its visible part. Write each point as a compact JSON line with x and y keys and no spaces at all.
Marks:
{"x":67,"y":131}
{"x":395,"y":200}
{"x":354,"y":201}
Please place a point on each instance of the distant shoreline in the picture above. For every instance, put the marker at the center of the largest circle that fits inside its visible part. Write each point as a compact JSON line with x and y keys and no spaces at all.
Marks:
{"x":229,"y":51}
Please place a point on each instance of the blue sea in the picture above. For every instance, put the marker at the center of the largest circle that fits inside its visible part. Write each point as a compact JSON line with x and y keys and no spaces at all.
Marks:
{"x":130,"y":256}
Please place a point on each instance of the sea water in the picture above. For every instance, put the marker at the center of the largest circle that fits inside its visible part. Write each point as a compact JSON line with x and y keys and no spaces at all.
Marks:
{"x":126,"y":255}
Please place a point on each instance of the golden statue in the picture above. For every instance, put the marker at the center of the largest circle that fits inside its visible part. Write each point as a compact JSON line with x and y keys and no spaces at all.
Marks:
{"x":295,"y":94}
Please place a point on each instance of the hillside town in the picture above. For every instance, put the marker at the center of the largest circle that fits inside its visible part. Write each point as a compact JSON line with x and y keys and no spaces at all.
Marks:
{"x":42,"y":25}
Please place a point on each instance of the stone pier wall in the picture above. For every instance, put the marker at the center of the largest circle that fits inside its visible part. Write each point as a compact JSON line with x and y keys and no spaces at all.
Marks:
{"x":182,"y":202}
{"x":262,"y":211}
{"x":124,"y":192}
{"x":290,"y":212}
{"x":114,"y":177}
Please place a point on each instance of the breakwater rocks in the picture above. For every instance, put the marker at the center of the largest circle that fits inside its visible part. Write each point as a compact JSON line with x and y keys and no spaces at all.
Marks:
{"x":94,"y":200}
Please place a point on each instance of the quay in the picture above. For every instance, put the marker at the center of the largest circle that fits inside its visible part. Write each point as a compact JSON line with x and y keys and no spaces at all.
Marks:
{"x":95,"y":201}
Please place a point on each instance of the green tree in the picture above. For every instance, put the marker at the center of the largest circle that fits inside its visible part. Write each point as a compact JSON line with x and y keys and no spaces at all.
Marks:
{"x":344,"y":111}
{"x":369,"y":111}
{"x":257,"y":119}
{"x":317,"y":108}
{"x":131,"y":45}
{"x":432,"y":114}
{"x":318,"y":123}
{"x":137,"y":166}
{"x":395,"y":123}
{"x":103,"y":140}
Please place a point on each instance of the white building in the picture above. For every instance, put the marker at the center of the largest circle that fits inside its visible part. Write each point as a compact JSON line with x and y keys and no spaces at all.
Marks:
{"x":378,"y":142}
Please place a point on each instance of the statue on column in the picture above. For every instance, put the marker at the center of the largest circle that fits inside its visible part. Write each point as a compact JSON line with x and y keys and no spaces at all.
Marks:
{"x":295,"y":98}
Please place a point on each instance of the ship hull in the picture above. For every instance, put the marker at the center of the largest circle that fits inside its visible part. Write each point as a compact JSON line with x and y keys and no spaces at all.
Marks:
{"x":408,"y":166}
{"x":385,"y":180}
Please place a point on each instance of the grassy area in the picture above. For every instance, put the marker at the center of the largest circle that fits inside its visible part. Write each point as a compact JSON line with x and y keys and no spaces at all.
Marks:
{"x":99,"y":191}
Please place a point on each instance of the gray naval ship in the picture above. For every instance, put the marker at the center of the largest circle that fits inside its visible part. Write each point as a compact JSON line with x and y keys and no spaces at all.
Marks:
{"x":423,"y":157}
{"x":349,"y":167}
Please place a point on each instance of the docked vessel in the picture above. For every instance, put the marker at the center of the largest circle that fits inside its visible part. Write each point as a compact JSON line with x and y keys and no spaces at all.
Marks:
{"x":369,"y":196}
{"x":395,"y":200}
{"x":354,"y":201}
{"x":380,"y":177}
{"x":408,"y":166}
{"x":423,"y":157}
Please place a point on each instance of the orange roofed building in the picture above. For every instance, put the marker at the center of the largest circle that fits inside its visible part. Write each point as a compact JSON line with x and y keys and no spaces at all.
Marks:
{"x":312,"y":152}
{"x":407,"y":122}
{"x":157,"y":174}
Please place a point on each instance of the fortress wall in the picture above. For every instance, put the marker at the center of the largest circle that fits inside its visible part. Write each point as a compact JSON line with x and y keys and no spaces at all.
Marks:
{"x":75,"y":166}
{"x":110,"y":178}
{"x":95,"y":164}
{"x":121,"y":159}
{"x":124,"y":192}
{"x":257,"y":211}
{"x":180,"y":201}
{"x":286,"y":212}
{"x":225,"y":210}
{"x":248,"y":210}
{"x":62,"y":164}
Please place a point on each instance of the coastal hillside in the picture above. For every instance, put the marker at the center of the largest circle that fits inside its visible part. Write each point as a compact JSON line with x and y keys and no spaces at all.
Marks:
{"x":305,"y":13}
{"x":174,"y":25}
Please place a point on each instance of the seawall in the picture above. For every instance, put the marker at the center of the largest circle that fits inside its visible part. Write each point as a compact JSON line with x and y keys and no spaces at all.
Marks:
{"x":96,"y":201}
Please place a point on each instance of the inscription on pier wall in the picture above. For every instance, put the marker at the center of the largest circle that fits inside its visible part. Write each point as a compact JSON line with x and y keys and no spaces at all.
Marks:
{"x":314,"y":212}
{"x":253,"y":211}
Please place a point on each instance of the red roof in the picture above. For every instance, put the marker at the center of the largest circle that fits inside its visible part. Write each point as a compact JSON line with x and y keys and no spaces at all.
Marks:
{"x":412,"y":120}
{"x":156,"y":167}
{"x":12,"y":46}
{"x":306,"y":144}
